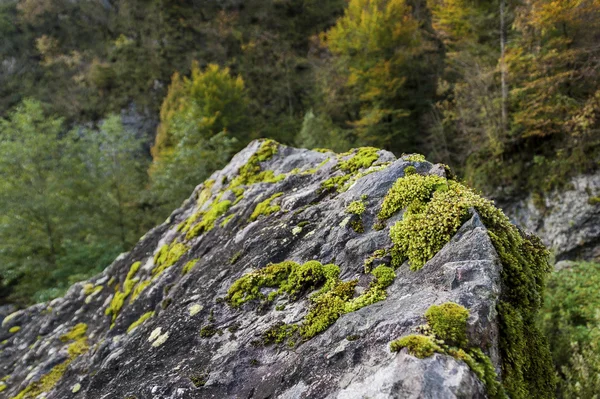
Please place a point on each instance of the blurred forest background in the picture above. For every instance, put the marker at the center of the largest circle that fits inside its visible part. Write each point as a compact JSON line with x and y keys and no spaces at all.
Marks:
{"x":111,"y":111}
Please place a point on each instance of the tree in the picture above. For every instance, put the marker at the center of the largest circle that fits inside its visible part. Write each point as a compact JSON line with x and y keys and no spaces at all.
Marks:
{"x":35,"y":187}
{"x":203,"y":121}
{"x":384,"y":57}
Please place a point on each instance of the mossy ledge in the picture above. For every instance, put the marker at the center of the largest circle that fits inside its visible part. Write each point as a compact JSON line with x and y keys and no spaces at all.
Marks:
{"x":446,"y":333}
{"x":434,"y":209}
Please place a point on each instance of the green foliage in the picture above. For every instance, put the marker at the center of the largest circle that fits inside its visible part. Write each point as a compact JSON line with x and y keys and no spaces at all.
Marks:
{"x":570,"y":320}
{"x":70,"y":201}
{"x":320,"y":132}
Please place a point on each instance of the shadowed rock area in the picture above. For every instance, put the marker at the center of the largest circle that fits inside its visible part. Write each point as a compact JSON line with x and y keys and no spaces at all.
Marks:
{"x":172,"y":319}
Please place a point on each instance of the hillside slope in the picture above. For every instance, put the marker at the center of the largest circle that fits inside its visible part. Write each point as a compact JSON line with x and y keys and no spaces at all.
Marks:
{"x":301,"y":274}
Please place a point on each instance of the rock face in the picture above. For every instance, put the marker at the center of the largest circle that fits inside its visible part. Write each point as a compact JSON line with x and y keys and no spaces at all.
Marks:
{"x":160,"y":322}
{"x":568,"y":220}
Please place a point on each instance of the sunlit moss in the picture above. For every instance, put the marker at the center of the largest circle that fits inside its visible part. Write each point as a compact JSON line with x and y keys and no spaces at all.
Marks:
{"x":449,"y":323}
{"x":167,"y":256}
{"x":78,"y":331}
{"x":265,"y":208}
{"x":363,"y":158}
{"x":208,"y":218}
{"x":139,"y":321}
{"x":138,"y":290}
{"x":14,"y":329}
{"x":418,"y":345}
{"x":188,"y":266}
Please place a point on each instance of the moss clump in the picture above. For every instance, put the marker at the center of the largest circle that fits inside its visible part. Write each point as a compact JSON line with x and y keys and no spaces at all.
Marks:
{"x":208,"y":331}
{"x":14,"y":329}
{"x":227,"y":219}
{"x":447,"y":335}
{"x":265,"y":208}
{"x":138,"y":290}
{"x":594,"y":200}
{"x":449,"y":323}
{"x":167,"y":256}
{"x":251,"y":172}
{"x":414,"y":158}
{"x":208,"y":218}
{"x":435,"y":209}
{"x":279,"y":333}
{"x":118,"y":300}
{"x":77,"y":332}
{"x":420,"y":346}
{"x":334,"y":183}
{"x":236,"y":256}
{"x":188,"y":266}
{"x":356,"y":208}
{"x":364,"y":158}
{"x":376,"y":255}
{"x":139,"y":321}
{"x":334,"y":298}
{"x":414,"y":190}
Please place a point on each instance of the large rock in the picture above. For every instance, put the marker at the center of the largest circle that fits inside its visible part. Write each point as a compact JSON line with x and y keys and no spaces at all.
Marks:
{"x":196,"y":345}
{"x":567,"y":219}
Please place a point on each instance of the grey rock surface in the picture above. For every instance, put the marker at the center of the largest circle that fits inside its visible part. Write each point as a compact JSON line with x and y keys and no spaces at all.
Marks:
{"x":166,"y":356}
{"x":567,"y":220}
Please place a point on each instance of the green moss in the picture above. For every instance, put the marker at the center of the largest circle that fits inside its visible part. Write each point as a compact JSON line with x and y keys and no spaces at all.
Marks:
{"x":251,"y":172}
{"x":48,"y":381}
{"x":420,"y":346}
{"x":129,"y":285}
{"x":236,"y":256}
{"x":414,"y":158}
{"x":227,"y":219}
{"x":167,"y":256}
{"x":14,"y":329}
{"x":77,"y":332}
{"x":435,"y":209}
{"x":356,"y":208}
{"x":412,"y":189}
{"x":334,"y":183}
{"x":3,"y":386}
{"x":139,"y":321}
{"x":594,"y":200}
{"x":333,"y":299}
{"x":208,"y":331}
{"x":265,"y":208}
{"x":364,"y":158}
{"x":188,"y":266}
{"x":208,"y":218}
{"x":279,"y":333}
{"x":376,"y":255}
{"x":88,"y":288}
{"x":449,"y":323}
{"x":138,"y":290}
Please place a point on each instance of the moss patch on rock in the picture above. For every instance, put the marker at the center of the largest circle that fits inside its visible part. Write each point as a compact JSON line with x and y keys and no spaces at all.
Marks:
{"x":139,"y":321}
{"x":333,"y":298}
{"x":435,"y":208}
{"x":265,"y":207}
{"x":446,"y":334}
{"x":167,"y":256}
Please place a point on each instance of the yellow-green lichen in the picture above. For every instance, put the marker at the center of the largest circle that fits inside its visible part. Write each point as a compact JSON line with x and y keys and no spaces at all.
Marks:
{"x":138,"y":290}
{"x":167,"y":256}
{"x":265,"y":208}
{"x":188,"y":266}
{"x":75,"y":388}
{"x":11,"y":316}
{"x":14,"y":329}
{"x":119,"y":297}
{"x":139,"y":321}
{"x":195,"y":309}
{"x":435,"y":208}
{"x":49,"y":380}
{"x":77,"y":332}
{"x":251,"y":172}
{"x":208,"y":218}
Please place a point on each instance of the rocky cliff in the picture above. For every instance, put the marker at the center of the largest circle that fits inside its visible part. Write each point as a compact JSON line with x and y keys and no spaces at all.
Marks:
{"x":301,"y":274}
{"x":567,"y":220}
